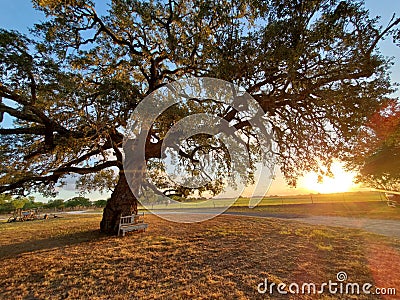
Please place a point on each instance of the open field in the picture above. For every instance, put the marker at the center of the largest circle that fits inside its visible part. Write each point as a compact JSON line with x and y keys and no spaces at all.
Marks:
{"x":355,"y":204}
{"x":372,"y":210}
{"x":278,"y":200}
{"x":224,"y":258}
{"x":316,"y":198}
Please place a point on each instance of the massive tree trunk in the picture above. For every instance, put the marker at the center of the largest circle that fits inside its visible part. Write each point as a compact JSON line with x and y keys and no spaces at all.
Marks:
{"x":122,"y":203}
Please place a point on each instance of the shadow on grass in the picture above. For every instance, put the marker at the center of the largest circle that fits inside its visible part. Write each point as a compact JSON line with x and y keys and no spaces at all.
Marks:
{"x":45,"y":244}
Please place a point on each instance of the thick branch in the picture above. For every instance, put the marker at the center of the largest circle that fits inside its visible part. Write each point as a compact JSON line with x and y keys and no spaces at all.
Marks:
{"x":38,"y":130}
{"x":56,"y":175}
{"x":38,"y":115}
{"x":25,"y":116}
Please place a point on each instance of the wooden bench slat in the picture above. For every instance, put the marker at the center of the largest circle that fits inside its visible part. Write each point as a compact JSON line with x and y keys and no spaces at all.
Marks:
{"x":131,"y":223}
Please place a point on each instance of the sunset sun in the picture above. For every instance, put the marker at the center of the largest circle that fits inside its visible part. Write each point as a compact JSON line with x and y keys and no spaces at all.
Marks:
{"x":342,"y":181}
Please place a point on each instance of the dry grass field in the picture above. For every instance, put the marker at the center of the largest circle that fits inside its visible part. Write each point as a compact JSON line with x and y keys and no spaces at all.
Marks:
{"x":224,"y":258}
{"x":371,"y":210}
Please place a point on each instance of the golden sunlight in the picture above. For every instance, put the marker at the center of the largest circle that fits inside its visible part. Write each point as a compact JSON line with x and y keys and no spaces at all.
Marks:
{"x":342,"y":181}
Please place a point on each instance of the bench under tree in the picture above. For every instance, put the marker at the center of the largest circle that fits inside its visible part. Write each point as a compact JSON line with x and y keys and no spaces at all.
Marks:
{"x":133,"y":222}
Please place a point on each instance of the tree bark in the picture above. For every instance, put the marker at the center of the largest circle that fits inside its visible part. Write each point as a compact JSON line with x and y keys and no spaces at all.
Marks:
{"x":122,"y":203}
{"x":123,"y":200}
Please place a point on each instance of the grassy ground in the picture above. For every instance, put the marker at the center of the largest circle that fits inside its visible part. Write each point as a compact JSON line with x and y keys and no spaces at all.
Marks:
{"x":224,"y":258}
{"x":372,"y":210}
{"x":281,"y":200}
{"x":354,"y":204}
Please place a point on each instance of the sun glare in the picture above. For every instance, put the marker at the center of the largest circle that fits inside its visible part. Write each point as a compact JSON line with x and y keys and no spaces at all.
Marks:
{"x":342,"y":181}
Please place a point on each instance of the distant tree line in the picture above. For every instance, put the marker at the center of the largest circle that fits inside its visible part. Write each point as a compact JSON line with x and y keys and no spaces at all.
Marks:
{"x":9,"y":204}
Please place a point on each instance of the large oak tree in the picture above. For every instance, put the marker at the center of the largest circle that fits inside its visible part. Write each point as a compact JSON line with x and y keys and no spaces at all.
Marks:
{"x":312,"y":65}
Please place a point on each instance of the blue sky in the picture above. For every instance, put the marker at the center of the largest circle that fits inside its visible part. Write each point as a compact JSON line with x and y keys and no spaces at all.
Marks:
{"x":20,"y":15}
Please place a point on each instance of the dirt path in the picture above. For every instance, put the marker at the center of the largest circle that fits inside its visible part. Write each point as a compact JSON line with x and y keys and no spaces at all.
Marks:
{"x":385,"y":227}
{"x":389,"y":228}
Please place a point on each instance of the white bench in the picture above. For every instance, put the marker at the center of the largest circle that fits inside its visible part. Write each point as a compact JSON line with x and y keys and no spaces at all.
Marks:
{"x":131,"y":223}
